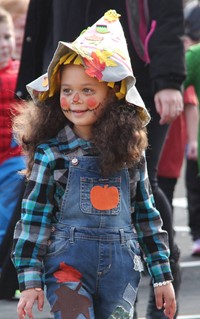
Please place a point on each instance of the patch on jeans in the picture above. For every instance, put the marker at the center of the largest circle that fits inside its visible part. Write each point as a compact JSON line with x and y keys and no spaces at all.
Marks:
{"x":66,"y":273}
{"x":130,"y":294}
{"x":138,"y":265}
{"x":110,"y":197}
{"x":71,"y":303}
{"x":120,"y":313}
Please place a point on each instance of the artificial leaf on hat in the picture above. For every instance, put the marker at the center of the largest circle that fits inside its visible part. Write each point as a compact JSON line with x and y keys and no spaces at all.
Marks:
{"x":94,"y":66}
{"x":83,"y":52}
{"x":111,"y":15}
{"x":104,"y":56}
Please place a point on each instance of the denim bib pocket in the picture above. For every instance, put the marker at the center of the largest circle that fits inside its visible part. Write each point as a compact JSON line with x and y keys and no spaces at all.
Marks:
{"x":100,"y":196}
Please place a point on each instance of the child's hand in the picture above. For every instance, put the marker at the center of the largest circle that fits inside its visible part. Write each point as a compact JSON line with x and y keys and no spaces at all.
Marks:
{"x":165,"y":297}
{"x":192,"y":150}
{"x":27,"y":299}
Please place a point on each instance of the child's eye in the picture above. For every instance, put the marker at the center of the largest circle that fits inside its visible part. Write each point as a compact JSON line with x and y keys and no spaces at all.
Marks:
{"x":88,"y":91}
{"x":7,"y":37}
{"x":67,"y":91}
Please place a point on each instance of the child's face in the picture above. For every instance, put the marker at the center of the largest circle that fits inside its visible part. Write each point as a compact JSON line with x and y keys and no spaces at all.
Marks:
{"x":19,"y":23}
{"x":81,"y":98}
{"x":7,"y":44}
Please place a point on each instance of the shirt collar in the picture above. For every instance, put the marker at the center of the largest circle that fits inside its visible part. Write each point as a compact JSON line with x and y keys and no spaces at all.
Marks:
{"x":68,"y":141}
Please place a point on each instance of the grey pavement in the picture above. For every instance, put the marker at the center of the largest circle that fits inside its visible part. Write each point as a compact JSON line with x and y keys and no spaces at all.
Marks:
{"x":189,"y":298}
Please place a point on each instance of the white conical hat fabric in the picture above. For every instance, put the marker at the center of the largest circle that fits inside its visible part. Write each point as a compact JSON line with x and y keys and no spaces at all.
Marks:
{"x":104,"y":54}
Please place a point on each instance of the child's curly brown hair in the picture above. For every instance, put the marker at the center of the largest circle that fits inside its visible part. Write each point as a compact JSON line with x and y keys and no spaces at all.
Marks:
{"x":36,"y":124}
{"x":118,"y":134}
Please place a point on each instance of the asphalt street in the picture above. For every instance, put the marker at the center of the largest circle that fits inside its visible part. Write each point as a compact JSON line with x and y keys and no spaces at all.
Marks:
{"x":189,"y":299}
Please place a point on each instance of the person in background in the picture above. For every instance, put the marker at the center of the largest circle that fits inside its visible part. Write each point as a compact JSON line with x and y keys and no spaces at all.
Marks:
{"x":86,"y":130}
{"x":8,"y":281}
{"x":11,"y":158}
{"x":169,"y":166}
{"x":159,"y":72}
{"x":18,"y":10}
{"x":182,"y":132}
{"x":191,"y":40}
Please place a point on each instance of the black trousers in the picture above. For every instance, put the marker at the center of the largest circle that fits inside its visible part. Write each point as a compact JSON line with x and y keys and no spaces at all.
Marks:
{"x":156,"y":137}
{"x":192,"y":180}
{"x":8,"y":274}
{"x":192,"y":183}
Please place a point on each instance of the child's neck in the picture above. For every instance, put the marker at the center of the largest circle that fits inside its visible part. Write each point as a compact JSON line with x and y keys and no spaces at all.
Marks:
{"x":85,"y":133}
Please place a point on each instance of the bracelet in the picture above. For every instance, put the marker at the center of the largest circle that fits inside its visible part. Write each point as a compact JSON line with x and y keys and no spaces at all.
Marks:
{"x":160,"y":284}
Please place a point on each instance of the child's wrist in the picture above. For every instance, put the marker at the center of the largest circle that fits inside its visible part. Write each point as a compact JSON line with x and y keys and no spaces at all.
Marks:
{"x":162,"y":283}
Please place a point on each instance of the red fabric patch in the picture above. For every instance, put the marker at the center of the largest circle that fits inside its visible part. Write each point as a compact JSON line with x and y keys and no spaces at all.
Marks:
{"x":67,"y":273}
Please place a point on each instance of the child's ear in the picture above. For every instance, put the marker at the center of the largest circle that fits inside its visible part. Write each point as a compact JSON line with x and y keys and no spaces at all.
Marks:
{"x":116,"y":87}
{"x":112,"y":94}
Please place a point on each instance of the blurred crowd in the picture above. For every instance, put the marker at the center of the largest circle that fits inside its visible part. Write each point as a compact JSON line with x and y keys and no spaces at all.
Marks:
{"x":29,"y":33}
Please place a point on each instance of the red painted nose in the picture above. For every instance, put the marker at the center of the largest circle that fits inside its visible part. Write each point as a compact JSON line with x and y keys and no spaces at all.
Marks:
{"x":76,"y":98}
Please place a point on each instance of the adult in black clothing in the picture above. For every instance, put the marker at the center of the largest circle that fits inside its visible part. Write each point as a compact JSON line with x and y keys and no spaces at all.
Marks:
{"x":158,"y":67}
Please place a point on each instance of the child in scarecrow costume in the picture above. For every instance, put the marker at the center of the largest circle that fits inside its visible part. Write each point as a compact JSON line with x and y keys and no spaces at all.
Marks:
{"x":88,"y":213}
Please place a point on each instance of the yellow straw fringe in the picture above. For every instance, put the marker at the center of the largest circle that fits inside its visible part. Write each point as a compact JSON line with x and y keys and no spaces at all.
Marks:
{"x":76,"y":59}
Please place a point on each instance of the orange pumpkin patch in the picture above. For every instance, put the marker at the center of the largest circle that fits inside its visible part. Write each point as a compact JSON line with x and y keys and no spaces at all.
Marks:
{"x":104,"y":198}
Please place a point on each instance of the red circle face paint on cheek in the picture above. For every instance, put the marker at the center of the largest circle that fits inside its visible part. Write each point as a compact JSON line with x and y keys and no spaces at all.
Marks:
{"x":64,"y":104}
{"x":91,"y":103}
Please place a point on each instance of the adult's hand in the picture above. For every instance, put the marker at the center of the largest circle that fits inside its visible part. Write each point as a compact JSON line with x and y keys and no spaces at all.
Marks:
{"x":169,"y":104}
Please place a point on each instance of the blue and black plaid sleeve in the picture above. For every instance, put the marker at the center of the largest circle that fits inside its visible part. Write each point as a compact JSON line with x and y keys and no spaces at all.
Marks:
{"x":33,"y":230}
{"x":147,"y":221}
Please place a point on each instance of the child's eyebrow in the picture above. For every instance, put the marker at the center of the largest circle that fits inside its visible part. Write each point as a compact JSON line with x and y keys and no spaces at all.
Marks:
{"x":83,"y":84}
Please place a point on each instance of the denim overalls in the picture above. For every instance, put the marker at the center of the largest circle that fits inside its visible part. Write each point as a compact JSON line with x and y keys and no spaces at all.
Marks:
{"x":93,"y":264}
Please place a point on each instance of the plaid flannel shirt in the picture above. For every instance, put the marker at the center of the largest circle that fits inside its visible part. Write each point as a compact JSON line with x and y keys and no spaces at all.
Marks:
{"x":42,"y":202}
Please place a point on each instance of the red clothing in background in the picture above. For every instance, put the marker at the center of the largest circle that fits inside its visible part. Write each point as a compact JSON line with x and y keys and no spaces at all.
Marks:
{"x":8,"y":78}
{"x":172,"y":155}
